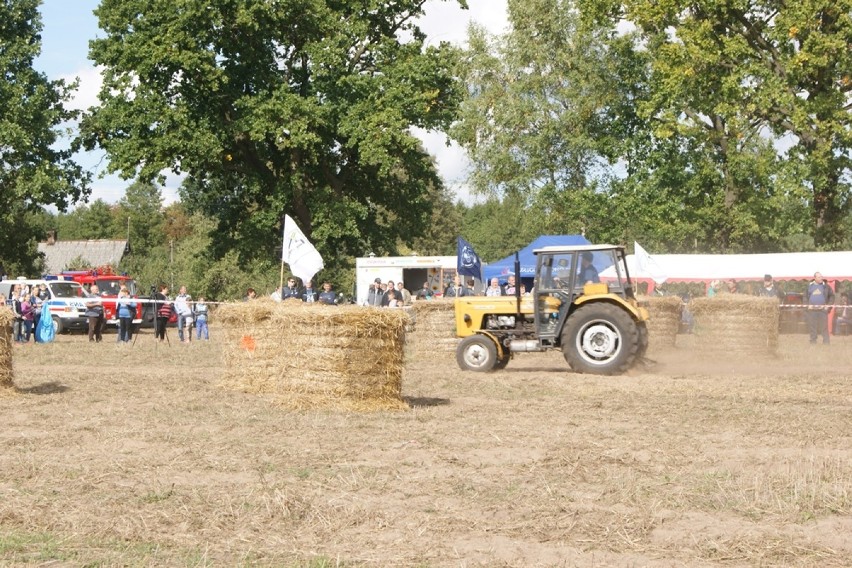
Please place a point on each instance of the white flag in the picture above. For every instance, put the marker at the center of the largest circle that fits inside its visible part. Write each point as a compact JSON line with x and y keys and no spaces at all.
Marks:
{"x":647,"y":266}
{"x":298,"y":252}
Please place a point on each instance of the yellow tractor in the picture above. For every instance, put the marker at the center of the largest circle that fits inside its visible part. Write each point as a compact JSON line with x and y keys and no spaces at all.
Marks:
{"x":599,"y":326}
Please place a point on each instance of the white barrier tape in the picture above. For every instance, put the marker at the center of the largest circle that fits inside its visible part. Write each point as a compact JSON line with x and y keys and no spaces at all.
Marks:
{"x":192,"y":302}
{"x":150,"y":301}
{"x":809,"y":307}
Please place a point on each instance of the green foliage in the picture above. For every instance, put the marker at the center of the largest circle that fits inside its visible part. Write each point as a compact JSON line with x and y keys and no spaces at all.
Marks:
{"x":301,"y":107}
{"x":497,"y":227}
{"x":98,"y":220}
{"x":33,"y":169}
{"x":666,"y":134}
{"x":724,"y":76}
{"x":142,"y":205}
{"x":439,"y":236}
{"x":168,"y":246}
{"x":20,"y":233}
{"x":227,"y":278}
{"x":534,"y":96}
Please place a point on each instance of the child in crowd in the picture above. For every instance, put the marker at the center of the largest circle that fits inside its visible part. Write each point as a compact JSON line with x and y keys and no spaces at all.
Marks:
{"x":201,"y":313}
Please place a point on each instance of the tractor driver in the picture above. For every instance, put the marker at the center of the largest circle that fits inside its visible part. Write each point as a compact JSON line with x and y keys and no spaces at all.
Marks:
{"x":562,"y":274}
{"x":588,"y":273}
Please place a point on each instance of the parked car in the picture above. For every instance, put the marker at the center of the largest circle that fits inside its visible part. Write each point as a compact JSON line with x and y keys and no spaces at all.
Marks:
{"x":66,"y":301}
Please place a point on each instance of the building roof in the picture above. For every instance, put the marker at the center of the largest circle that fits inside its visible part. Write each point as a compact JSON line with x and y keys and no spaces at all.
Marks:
{"x":57,"y":256}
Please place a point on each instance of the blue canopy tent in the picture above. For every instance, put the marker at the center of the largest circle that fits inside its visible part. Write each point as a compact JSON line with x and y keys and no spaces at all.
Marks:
{"x":503,"y":268}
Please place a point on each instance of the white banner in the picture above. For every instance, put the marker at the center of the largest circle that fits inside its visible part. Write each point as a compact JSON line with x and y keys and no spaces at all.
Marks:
{"x":304,"y":260}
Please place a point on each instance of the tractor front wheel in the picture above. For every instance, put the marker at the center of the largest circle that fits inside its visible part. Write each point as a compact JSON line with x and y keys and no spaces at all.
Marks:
{"x":600,"y":338}
{"x":503,"y":361}
{"x":476,"y":353}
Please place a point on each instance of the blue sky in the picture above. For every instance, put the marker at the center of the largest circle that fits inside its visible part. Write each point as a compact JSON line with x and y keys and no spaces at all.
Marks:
{"x":68,"y":25}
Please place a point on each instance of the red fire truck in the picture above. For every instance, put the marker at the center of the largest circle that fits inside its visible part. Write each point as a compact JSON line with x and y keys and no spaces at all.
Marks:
{"x":108,"y":283}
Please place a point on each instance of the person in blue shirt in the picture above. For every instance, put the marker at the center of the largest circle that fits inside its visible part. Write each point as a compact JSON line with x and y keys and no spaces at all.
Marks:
{"x":309,"y":295}
{"x":327,"y":295}
{"x":126,"y":311}
{"x":588,"y":272}
{"x":291,"y":291}
{"x":820,"y":298}
{"x":201,"y":312}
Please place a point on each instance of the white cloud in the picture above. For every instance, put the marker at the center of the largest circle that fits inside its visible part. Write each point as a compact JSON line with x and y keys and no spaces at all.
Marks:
{"x":444,"y":20}
{"x":90,"y":82}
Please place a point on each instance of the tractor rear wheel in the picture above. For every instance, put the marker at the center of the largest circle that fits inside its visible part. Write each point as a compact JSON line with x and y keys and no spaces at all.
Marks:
{"x":600,"y":338}
{"x":476,"y":353}
{"x":643,"y":340}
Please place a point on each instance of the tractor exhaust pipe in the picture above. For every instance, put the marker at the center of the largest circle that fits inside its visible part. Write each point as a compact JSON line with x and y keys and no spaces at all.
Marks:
{"x":524,"y":345}
{"x":519,"y":321}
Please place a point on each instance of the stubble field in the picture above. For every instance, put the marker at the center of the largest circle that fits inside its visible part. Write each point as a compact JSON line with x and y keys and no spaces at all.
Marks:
{"x":117,"y":456}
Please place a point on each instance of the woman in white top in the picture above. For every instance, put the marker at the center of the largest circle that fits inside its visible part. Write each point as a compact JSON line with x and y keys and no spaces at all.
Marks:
{"x":494,"y":288}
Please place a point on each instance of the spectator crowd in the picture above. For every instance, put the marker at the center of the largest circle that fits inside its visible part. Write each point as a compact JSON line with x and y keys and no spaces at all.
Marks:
{"x":191,"y":316}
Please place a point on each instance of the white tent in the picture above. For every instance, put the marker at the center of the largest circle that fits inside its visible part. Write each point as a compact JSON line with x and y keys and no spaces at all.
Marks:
{"x":706,"y":267}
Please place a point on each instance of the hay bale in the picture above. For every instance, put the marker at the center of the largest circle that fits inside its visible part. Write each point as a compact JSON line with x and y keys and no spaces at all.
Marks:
{"x":433,"y":334}
{"x":736,"y":324}
{"x":315,"y":356}
{"x":665,"y":313}
{"x":6,"y":374}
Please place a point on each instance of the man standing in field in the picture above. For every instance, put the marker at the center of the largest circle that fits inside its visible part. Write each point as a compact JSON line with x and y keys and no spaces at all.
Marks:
{"x":95,"y":314}
{"x":183,"y":303}
{"x":769,"y":289}
{"x":820,"y":297}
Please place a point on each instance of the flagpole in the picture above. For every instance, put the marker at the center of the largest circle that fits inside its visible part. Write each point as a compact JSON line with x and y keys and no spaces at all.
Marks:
{"x":281,"y":278}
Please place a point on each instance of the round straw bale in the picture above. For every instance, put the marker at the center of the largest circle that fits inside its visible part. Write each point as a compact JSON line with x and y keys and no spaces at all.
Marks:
{"x":665,"y":313}
{"x":6,"y":375}
{"x":311,"y":355}
{"x":736,"y":324}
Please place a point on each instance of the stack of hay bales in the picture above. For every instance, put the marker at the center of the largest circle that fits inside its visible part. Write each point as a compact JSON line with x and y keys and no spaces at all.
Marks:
{"x":736,"y":324}
{"x":6,"y":375}
{"x":433,"y":335}
{"x":665,"y":312}
{"x":315,"y":356}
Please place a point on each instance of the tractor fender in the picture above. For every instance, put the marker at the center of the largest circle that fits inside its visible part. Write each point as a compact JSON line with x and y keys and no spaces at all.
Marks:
{"x":639,"y":313}
{"x":492,"y":337}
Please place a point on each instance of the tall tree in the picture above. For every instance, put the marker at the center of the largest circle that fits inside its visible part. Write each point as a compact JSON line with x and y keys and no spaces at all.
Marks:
{"x":534,"y":99}
{"x":300,"y":107}
{"x":570,"y":113}
{"x":744,"y":69}
{"x":143,"y":205}
{"x":498,"y":227}
{"x":439,"y":236}
{"x":97,"y":220}
{"x":34,"y":169}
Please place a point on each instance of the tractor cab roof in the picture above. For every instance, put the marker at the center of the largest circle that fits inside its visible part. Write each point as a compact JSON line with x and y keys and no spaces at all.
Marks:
{"x":576,"y":248}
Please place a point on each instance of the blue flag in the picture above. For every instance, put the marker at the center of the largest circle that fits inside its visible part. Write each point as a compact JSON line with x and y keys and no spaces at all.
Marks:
{"x":468,"y":261}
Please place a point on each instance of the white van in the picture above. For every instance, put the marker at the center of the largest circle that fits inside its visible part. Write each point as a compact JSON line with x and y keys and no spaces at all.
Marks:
{"x":67,"y":301}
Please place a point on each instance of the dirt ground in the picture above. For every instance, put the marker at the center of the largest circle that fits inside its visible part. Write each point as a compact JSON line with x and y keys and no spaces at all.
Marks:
{"x":136,"y":456}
